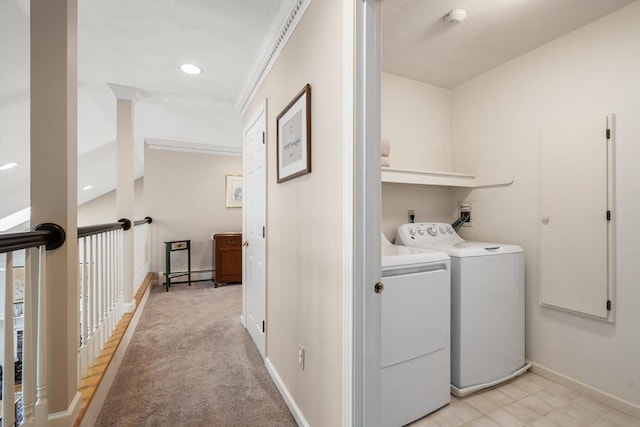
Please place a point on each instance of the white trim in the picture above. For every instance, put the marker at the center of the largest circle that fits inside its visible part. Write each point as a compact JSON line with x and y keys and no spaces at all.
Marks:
{"x":367,"y":203}
{"x":615,"y":402}
{"x":192,"y":147}
{"x":128,"y":307}
{"x":127,"y":93}
{"x":288,"y":399}
{"x":100,"y":395}
{"x":348,"y":30}
{"x":274,"y":42}
{"x":67,"y":417}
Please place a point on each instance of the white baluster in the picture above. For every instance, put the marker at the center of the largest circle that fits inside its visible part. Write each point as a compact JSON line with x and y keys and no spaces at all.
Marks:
{"x":111,"y":279}
{"x":120,"y":265}
{"x":42,"y":401}
{"x":104,"y":330}
{"x":93,"y":303}
{"x":94,"y":285}
{"x":8,"y":372}
{"x":117,"y":273}
{"x":85,"y":331}
{"x":91,"y":354}
{"x":28,"y":344}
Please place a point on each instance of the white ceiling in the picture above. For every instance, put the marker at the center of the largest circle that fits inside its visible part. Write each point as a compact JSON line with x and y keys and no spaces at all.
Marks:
{"x":137,"y":43}
{"x":141,"y":43}
{"x":418,"y":44}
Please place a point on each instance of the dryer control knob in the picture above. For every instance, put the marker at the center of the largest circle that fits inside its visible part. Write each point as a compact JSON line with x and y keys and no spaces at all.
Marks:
{"x":432,"y":231}
{"x":412,"y":231}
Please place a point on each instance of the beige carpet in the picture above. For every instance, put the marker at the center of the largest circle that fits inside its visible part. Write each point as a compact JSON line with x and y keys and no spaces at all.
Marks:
{"x":191,"y":363}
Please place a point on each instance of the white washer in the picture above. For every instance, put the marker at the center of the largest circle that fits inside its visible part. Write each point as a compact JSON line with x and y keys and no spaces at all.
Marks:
{"x":487,"y":305}
{"x":415,"y":333}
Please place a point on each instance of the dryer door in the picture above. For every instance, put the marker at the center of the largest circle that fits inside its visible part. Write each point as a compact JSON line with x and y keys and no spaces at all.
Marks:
{"x":415,"y":314}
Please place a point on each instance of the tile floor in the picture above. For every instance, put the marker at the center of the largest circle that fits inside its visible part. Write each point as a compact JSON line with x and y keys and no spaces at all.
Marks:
{"x":529,"y":400}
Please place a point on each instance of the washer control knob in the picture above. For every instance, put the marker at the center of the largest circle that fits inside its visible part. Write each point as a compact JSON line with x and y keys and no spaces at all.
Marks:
{"x":412,"y":231}
{"x":450,"y":230}
{"x":443,"y":230}
{"x":432,"y":231}
{"x":421,"y":231}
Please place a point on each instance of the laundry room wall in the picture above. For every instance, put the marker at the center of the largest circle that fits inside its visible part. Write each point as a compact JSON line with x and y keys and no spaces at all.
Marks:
{"x":305,"y":221}
{"x":497,"y":122}
{"x":430,"y":204}
{"x":415,"y":120}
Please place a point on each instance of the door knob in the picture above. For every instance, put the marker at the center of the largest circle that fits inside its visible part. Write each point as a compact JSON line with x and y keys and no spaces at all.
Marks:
{"x":245,"y":243}
{"x":378,"y":288}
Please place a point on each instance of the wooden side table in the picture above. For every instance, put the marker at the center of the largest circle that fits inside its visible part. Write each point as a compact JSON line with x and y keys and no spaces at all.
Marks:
{"x":227,"y":258}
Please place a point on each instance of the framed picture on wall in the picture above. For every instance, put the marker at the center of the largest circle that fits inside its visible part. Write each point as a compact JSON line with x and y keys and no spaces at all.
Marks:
{"x":234,"y":191}
{"x":293,"y":137}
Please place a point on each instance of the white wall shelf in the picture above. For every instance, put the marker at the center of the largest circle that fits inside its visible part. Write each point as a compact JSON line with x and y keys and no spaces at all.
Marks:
{"x":445,"y":179}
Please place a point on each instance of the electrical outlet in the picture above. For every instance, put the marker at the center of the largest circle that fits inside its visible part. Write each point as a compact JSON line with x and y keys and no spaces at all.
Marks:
{"x":411,"y":215}
{"x":301,"y":356}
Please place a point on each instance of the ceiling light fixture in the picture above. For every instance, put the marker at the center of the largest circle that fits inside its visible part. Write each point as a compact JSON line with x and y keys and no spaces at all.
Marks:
{"x":88,"y":187}
{"x":8,"y":166}
{"x":455,"y":16}
{"x":191,"y":69}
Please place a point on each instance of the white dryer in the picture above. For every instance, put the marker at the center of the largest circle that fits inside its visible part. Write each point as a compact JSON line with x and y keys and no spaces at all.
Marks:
{"x":487,"y":305}
{"x":415,"y":333}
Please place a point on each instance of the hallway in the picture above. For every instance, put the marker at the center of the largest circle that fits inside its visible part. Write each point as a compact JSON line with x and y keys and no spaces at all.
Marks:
{"x":190,"y":362}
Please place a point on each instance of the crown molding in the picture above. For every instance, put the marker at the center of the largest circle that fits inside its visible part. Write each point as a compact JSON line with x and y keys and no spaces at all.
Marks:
{"x":125,"y":92}
{"x":273,"y":44}
{"x":192,"y":147}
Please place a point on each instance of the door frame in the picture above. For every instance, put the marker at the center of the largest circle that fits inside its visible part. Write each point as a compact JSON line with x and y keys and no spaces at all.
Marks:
{"x":262,"y":108}
{"x":362,"y":213}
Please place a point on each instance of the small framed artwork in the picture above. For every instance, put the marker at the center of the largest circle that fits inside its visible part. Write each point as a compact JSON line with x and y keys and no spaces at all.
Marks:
{"x":234,"y":191}
{"x":293,"y":127}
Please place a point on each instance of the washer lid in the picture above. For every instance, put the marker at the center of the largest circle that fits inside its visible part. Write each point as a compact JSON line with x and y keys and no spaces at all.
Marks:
{"x":395,"y":255}
{"x":471,"y":249}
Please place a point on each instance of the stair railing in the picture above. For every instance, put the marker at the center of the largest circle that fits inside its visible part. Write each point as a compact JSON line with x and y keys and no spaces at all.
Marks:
{"x":29,"y":406}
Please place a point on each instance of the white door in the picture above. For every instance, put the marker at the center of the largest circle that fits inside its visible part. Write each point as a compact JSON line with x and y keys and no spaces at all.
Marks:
{"x":254,"y":226}
{"x":575,"y":231}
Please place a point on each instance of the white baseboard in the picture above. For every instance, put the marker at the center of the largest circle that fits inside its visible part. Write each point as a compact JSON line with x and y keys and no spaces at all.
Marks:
{"x":68,"y":417}
{"x":140,"y":276}
{"x":128,"y":307}
{"x":99,"y":397}
{"x":288,"y":399}
{"x":616,"y":403}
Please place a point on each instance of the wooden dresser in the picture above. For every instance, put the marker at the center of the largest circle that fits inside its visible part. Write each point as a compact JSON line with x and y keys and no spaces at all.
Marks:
{"x":227,"y":258}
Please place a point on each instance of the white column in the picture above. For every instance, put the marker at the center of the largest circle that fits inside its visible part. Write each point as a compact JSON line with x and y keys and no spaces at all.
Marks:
{"x":54,"y":184}
{"x":126,"y":98}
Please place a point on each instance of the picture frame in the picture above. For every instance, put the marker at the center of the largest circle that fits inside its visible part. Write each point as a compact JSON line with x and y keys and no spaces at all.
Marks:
{"x":293,"y":137}
{"x":234,"y":191}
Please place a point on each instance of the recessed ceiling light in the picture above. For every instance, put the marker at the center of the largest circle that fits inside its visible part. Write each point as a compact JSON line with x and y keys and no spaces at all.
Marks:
{"x":191,"y":69}
{"x":8,"y":166}
{"x":88,"y":187}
